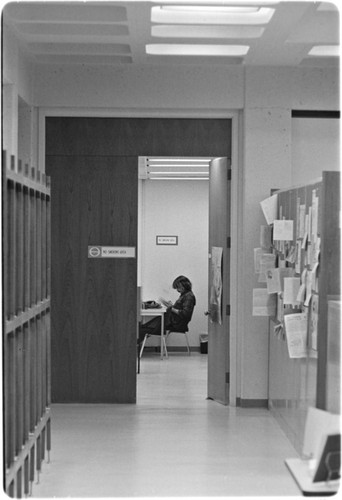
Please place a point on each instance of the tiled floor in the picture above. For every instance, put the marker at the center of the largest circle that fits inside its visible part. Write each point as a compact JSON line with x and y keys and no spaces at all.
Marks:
{"x":172,"y":443}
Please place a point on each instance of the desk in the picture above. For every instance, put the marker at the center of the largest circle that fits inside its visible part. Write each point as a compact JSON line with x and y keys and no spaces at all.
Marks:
{"x":153,"y":313}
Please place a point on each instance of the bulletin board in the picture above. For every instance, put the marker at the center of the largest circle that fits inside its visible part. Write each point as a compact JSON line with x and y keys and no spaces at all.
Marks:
{"x":298,"y":267}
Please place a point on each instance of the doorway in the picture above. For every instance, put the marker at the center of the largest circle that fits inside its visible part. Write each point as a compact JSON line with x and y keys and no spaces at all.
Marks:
{"x":185,"y":202}
{"x":120,"y":140}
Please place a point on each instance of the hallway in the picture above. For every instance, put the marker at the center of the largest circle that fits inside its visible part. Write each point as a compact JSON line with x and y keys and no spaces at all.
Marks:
{"x":172,"y":443}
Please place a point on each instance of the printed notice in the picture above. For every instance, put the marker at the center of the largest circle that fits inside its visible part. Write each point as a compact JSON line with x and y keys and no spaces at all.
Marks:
{"x":101,"y":252}
{"x":267,"y":262}
{"x":283,"y":230}
{"x":296,"y":334}
{"x":291,"y":289}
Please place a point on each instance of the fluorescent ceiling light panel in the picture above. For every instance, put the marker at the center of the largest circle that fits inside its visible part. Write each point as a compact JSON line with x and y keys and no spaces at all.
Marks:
{"x":177,"y":160}
{"x":211,"y":9}
{"x":179,"y":178}
{"x":174,"y":168}
{"x":165,"y":15}
{"x":195,"y":31}
{"x":325,"y":51}
{"x":175,"y":49}
{"x":183,"y":172}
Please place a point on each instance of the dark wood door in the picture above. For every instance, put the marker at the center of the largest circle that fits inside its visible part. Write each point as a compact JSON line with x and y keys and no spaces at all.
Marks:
{"x":94,"y":299}
{"x":93,"y":166}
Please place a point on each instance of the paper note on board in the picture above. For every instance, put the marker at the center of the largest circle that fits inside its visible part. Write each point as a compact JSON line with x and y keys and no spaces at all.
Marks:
{"x":296,"y":334}
{"x":269,"y":208}
{"x":263,"y":303}
{"x":275,"y":278}
{"x":283,"y":230}
{"x":291,"y":289}
{"x":267,"y":261}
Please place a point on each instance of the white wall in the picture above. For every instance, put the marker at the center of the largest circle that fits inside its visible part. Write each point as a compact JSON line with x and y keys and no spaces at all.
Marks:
{"x":315,"y":147}
{"x":176,"y":208}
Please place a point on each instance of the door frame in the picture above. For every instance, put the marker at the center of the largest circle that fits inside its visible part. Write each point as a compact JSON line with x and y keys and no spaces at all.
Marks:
{"x":236,"y":261}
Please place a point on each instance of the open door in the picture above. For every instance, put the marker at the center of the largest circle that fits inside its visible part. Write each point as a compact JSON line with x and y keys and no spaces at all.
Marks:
{"x":218,"y":296}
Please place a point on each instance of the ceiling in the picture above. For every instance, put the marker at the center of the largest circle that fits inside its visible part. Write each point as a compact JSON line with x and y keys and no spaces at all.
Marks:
{"x":124,"y":33}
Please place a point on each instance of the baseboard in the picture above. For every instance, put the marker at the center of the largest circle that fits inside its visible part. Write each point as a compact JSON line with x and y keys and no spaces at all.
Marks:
{"x":172,"y":348}
{"x":252,"y":403}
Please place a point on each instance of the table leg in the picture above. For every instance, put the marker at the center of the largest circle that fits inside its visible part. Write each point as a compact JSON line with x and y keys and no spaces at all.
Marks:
{"x":162,"y":337}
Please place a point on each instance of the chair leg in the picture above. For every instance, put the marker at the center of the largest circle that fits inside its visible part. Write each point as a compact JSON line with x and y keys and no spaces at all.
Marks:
{"x":164,"y":347}
{"x":187,"y":343}
{"x":143,"y":345}
{"x":186,"y":339}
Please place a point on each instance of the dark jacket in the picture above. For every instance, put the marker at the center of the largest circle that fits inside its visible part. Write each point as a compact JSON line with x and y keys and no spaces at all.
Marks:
{"x":185,"y":305}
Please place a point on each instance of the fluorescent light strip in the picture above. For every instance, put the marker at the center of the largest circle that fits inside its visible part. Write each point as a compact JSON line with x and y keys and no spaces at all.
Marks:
{"x":325,"y":51}
{"x":210,"y":9}
{"x":160,"y":15}
{"x":175,"y":165}
{"x":177,"y":173}
{"x":170,"y":49}
{"x":179,"y":178}
{"x":172,"y":160}
{"x":194,"y":31}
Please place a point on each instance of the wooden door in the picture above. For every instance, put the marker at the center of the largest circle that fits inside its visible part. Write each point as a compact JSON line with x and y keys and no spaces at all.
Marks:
{"x":218,"y":296}
{"x":94,"y":299}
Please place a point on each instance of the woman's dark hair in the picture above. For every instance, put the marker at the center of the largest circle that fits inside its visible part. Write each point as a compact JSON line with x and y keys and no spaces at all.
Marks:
{"x":184,"y":281}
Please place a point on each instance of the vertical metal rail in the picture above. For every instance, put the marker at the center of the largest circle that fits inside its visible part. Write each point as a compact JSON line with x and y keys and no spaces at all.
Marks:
{"x":26,"y":324}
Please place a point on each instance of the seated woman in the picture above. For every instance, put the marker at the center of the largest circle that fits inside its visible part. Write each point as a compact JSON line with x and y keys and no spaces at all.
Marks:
{"x":177,"y":315}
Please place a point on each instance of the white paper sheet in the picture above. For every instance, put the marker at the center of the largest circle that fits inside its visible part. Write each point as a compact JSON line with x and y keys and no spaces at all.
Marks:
{"x":283,"y":230}
{"x":263,"y":303}
{"x":269,"y":208}
{"x":291,"y":289}
{"x":296,"y":334}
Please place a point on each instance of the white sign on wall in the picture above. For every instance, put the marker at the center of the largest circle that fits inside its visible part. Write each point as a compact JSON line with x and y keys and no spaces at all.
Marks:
{"x":102,"y":252}
{"x":167,"y":240}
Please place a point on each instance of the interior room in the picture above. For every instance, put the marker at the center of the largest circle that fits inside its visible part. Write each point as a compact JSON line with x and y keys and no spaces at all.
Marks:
{"x":175,"y":201}
{"x":97,"y":98}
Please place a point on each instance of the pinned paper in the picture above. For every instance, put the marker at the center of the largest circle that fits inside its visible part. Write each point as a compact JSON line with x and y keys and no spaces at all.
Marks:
{"x":298,"y":257}
{"x":296,"y":334}
{"x":280,"y":308}
{"x":283,"y":230}
{"x":269,"y":208}
{"x":301,"y":294}
{"x":291,"y":254}
{"x":308,"y":286}
{"x":258,"y":252}
{"x":313,"y":327}
{"x":314,"y":214}
{"x":267,"y":262}
{"x":291,"y":289}
{"x":263,"y":303}
{"x":275,"y":278}
{"x":301,"y":222}
{"x":306,"y":229}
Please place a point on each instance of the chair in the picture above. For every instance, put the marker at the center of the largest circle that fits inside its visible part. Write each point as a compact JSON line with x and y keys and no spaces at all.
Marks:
{"x":144,"y":342}
{"x":168,"y":333}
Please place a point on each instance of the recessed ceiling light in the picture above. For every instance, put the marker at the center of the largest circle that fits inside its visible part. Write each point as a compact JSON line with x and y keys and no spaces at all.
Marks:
{"x":210,"y":8}
{"x":325,"y":51}
{"x":179,"y":160}
{"x":195,"y":31}
{"x":170,"y":49}
{"x":160,"y":14}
